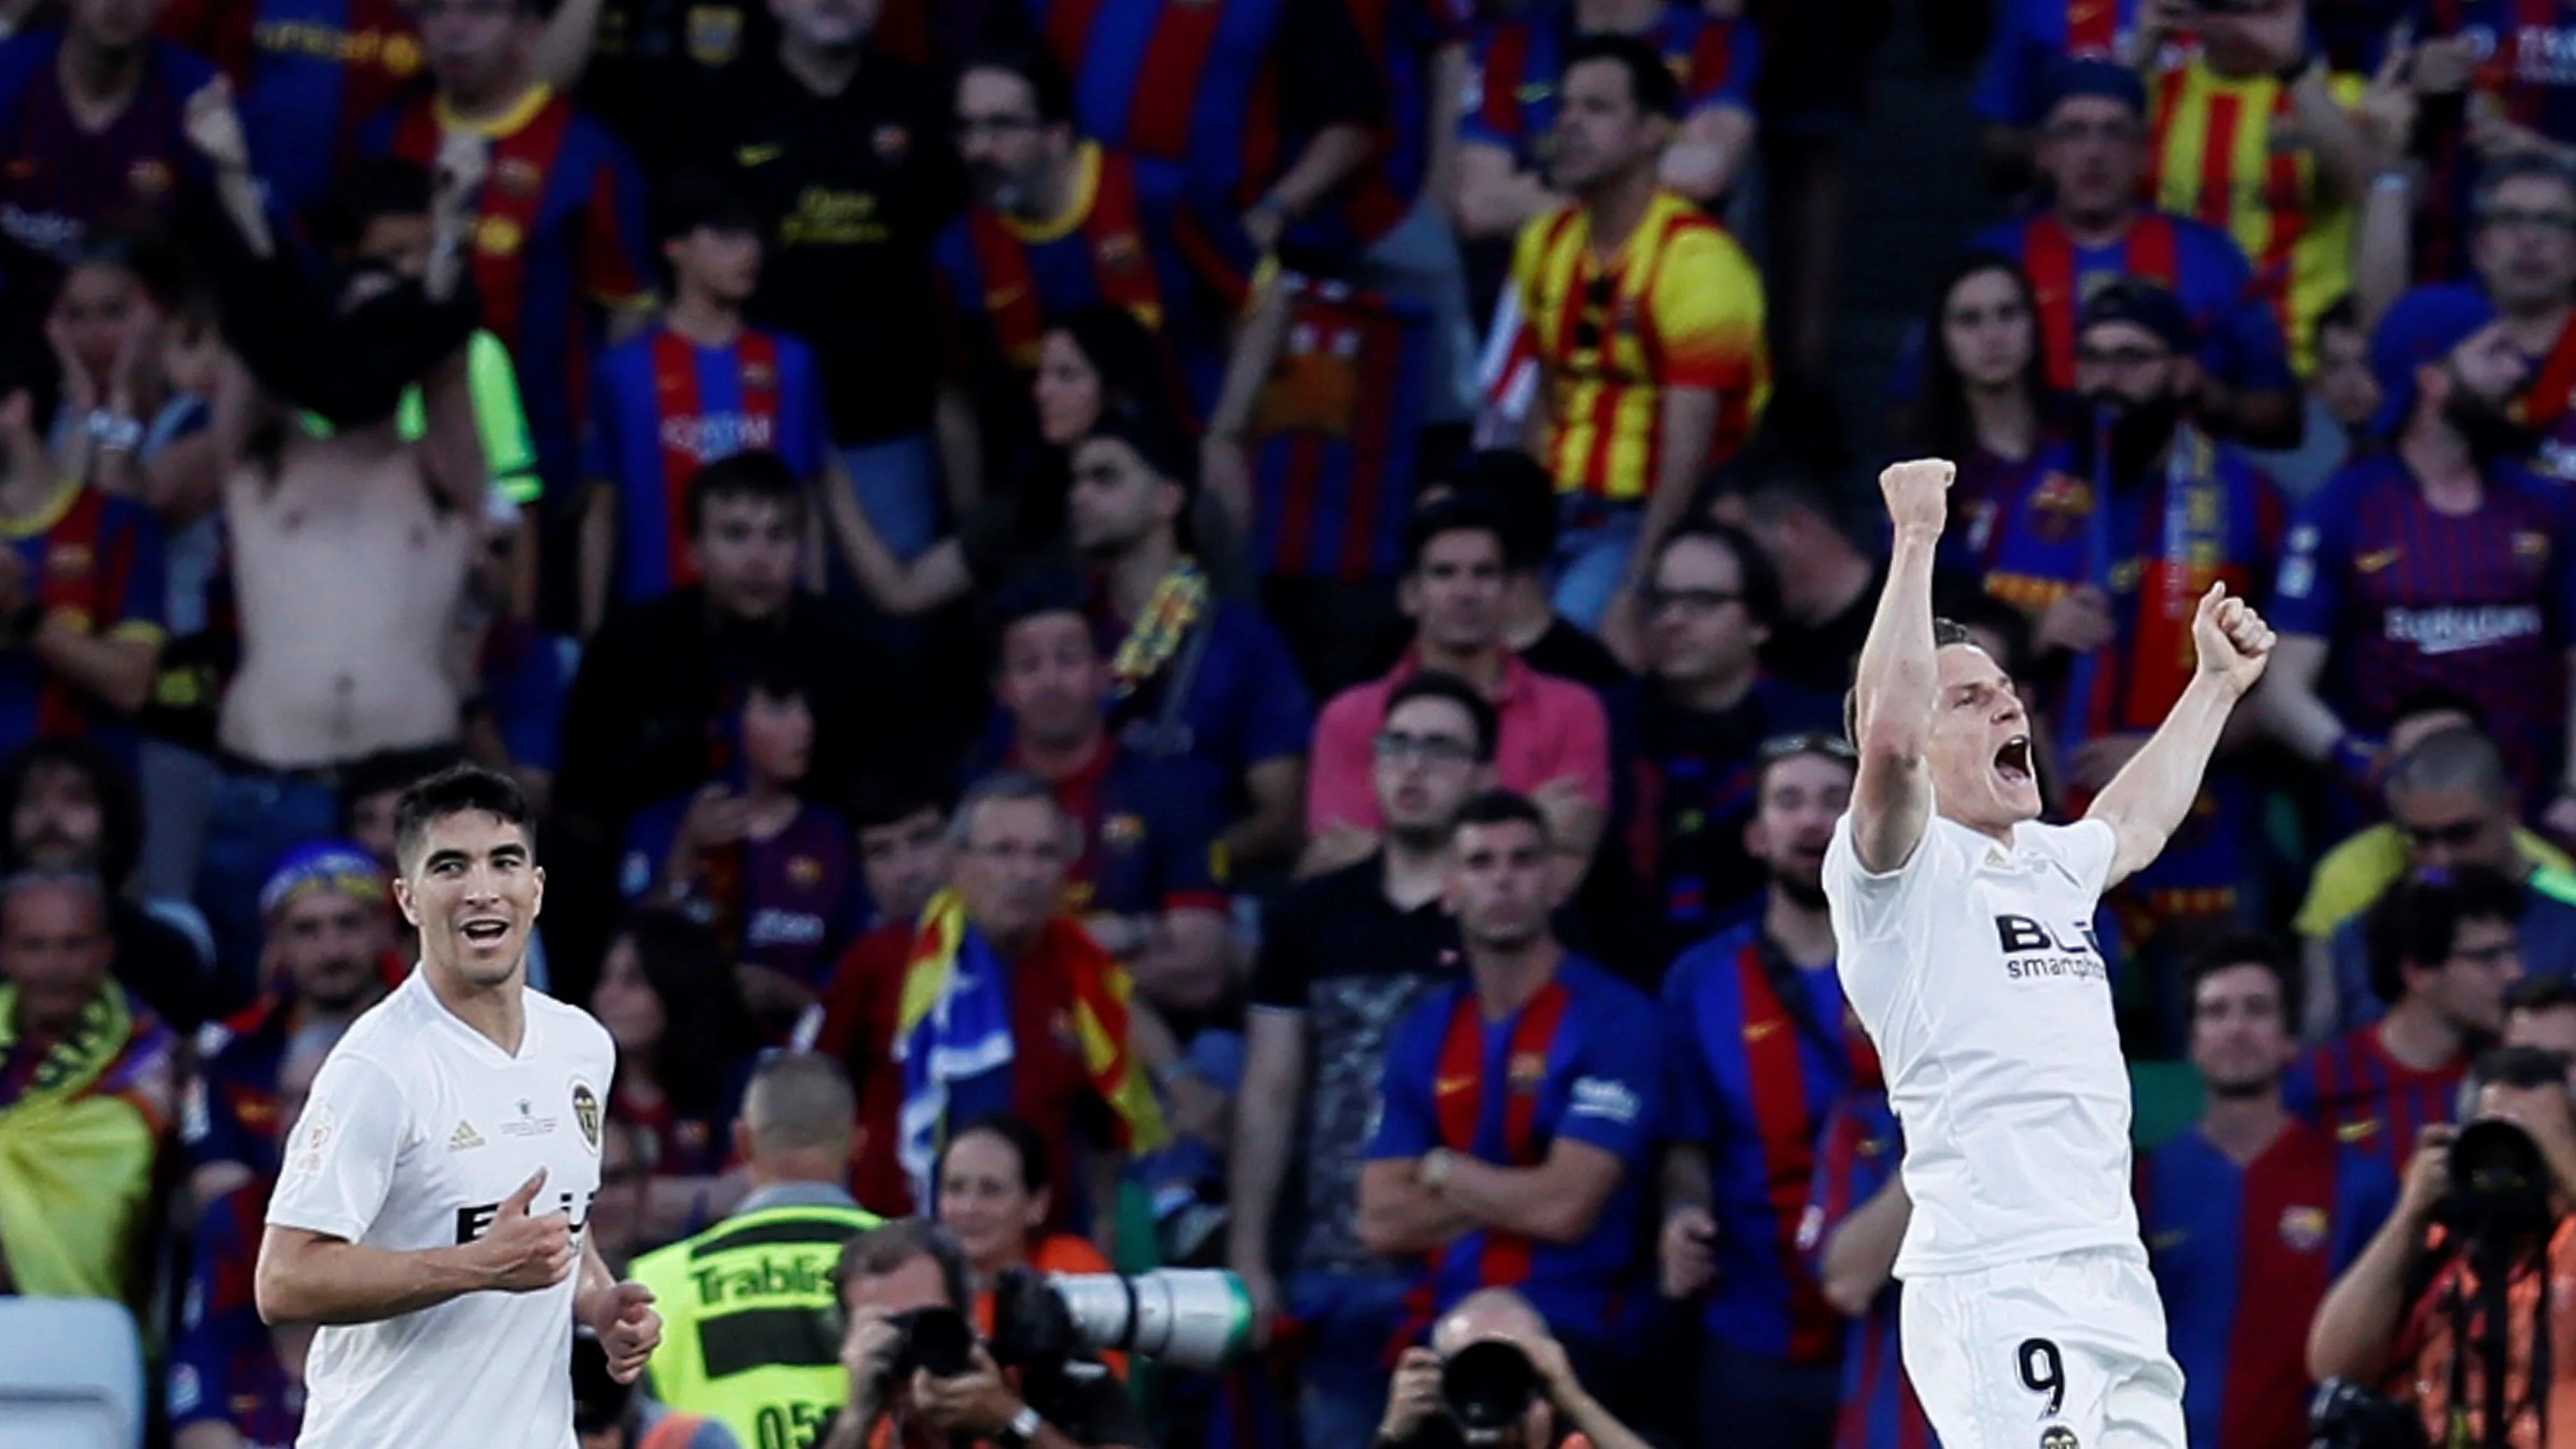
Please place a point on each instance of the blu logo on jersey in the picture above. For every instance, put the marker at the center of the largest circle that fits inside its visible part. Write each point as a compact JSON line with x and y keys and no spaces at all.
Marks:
{"x":2033,"y":949}
{"x":474,"y":1222}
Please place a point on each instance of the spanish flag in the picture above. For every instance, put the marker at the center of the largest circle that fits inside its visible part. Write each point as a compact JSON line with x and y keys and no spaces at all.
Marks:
{"x":953,"y":1035}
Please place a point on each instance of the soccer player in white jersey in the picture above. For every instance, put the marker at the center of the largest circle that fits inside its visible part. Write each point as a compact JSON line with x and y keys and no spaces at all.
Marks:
{"x":1966,"y":945}
{"x":431,"y":1209}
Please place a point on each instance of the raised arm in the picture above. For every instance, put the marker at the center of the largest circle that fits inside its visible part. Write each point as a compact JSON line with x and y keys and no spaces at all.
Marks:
{"x":1899,"y":679}
{"x":2146,"y":802}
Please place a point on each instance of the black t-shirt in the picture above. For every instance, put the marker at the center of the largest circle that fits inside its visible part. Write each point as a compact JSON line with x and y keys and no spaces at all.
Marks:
{"x":853,"y":187}
{"x":645,"y":719}
{"x":1568,"y":653}
{"x":1823,"y":656}
{"x":162,"y":967}
{"x":649,"y":51}
{"x":1696,"y":772}
{"x":1336,"y":949}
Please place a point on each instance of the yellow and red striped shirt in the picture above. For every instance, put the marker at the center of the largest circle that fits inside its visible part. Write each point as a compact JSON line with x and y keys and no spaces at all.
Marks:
{"x":1678,"y":306}
{"x":2227,"y":152}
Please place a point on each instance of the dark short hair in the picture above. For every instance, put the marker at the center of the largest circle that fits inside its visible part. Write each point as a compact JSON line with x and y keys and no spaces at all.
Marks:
{"x":1804,"y":745}
{"x":1455,"y":514}
{"x":694,"y":199}
{"x":2522,"y":1067}
{"x":757,"y":474}
{"x":1036,"y":1173}
{"x":2417,"y":920}
{"x":776,"y":674}
{"x":2229,"y":950}
{"x":2344,"y":313}
{"x":2541,"y":993}
{"x":890,"y":798}
{"x":1985,"y":611}
{"x":1523,"y":499}
{"x":1442,"y":685}
{"x":1501,"y":807}
{"x":1650,"y":79}
{"x":2496,"y":175}
{"x":370,"y":187}
{"x":887,"y":1247}
{"x":1046,"y":80}
{"x":707,"y":1027}
{"x":457,"y":790}
{"x":1760,"y":582}
{"x":1035,"y":593}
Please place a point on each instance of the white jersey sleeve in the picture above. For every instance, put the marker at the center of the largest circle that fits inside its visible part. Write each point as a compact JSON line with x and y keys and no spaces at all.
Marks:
{"x":1875,"y":905}
{"x":340,"y":1162}
{"x":2085,"y":848}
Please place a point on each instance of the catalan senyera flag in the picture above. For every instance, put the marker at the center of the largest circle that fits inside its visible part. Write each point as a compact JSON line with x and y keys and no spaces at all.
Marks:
{"x":1678,"y":305}
{"x":953,"y":1034}
{"x":2226,"y":152}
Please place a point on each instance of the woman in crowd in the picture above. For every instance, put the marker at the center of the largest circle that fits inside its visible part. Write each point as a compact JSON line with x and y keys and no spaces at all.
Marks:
{"x":994,"y":1196}
{"x":1985,"y":399}
{"x":670,"y":1001}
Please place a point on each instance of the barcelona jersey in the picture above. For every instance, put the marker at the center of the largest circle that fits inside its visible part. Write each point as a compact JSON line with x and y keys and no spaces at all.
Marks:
{"x":1336,"y":435}
{"x":2201,"y":265}
{"x":1512,"y":95}
{"x":667,"y":407}
{"x":309,"y":75}
{"x":1859,"y":1156}
{"x":58,"y":178}
{"x":94,"y":560}
{"x":2033,"y":35}
{"x":2370,"y":1101}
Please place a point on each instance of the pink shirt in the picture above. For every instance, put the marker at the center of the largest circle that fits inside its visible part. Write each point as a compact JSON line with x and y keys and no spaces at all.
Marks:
{"x":1552,"y":729}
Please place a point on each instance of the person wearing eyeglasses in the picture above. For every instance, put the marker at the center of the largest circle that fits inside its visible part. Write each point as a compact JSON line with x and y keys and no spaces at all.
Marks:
{"x":2108,"y":547}
{"x":1759,"y":1054}
{"x":1708,"y":706}
{"x":2451,"y":805}
{"x":2443,"y":948}
{"x":1343,"y":956}
{"x":2524,"y":250}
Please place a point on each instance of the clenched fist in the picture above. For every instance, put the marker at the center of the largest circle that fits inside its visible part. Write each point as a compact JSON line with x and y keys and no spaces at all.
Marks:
{"x":1918,"y":494}
{"x":2233,"y":640}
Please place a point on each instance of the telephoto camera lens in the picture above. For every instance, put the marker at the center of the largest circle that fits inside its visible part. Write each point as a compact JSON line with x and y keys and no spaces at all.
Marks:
{"x":1487,"y":1389}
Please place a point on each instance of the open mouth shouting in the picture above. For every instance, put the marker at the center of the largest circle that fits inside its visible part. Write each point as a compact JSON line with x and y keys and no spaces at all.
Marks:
{"x":2012,"y":762}
{"x":485,"y":930}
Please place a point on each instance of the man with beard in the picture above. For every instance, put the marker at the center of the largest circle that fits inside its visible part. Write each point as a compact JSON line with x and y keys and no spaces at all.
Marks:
{"x":329,"y":956}
{"x":2108,"y":547}
{"x":1760,"y":1058}
{"x":1060,"y":223}
{"x":2437,"y":564}
{"x":67,"y":807}
{"x":1519,"y":1105}
{"x":2250,"y":1214}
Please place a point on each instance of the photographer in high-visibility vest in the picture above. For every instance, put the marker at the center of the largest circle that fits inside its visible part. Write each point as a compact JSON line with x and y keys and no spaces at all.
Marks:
{"x":752,"y":1336}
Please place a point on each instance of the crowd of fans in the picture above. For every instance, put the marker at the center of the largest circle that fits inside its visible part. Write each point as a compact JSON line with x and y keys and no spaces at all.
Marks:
{"x":1213,"y":632}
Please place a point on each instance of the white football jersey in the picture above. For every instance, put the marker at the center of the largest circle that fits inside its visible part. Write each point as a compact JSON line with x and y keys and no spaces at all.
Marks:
{"x":418,"y":1127}
{"x":1977,"y":972}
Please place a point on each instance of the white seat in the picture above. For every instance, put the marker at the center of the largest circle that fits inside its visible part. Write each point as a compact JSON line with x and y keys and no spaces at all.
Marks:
{"x":71,"y":1375}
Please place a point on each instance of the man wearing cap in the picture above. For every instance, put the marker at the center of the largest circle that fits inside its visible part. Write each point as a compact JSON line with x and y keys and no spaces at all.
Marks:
{"x":328,"y":957}
{"x":2438,"y":564}
{"x":2093,"y":150}
{"x":2108,"y":546}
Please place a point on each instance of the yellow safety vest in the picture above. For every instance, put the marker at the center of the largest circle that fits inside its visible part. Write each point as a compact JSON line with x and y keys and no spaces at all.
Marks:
{"x":750,"y":1333}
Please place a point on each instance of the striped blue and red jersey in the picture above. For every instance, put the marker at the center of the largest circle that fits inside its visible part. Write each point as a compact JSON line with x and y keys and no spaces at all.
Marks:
{"x":789,"y":903}
{"x":1858,"y":1156}
{"x":2410,"y":598}
{"x":1221,"y":93}
{"x":559,"y":232}
{"x":667,"y":407}
{"x":1336,"y":435}
{"x":95,"y":560}
{"x":1404,"y":39}
{"x":58,"y":178}
{"x":1146,"y":245}
{"x":308,"y":75}
{"x":1578,"y":1062}
{"x":2547,"y":405}
{"x":1750,"y":1075}
{"x":2528,"y":51}
{"x":2242,"y":1257}
{"x":1520,"y":63}
{"x":2371,"y":1101}
{"x":2033,"y":35}
{"x":224,"y":1366}
{"x":2202,"y":266}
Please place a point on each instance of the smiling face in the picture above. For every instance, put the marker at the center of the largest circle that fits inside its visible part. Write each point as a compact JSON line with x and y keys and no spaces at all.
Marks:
{"x":1982,"y":772}
{"x":2241,"y":1040}
{"x":985,"y":1203}
{"x":472,"y":890}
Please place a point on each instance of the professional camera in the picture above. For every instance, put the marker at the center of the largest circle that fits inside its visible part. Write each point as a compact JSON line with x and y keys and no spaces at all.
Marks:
{"x":2499,"y":1192}
{"x":1487,"y":1389}
{"x":1192,"y":1318}
{"x":938,"y":1340}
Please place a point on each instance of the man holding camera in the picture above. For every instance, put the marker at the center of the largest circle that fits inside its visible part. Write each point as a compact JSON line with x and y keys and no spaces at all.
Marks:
{"x":1493,"y":1378}
{"x":2441,"y":1309}
{"x":921,"y":1379}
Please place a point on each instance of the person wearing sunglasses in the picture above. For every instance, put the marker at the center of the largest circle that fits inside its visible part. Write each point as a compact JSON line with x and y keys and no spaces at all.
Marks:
{"x":2451,"y":805}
